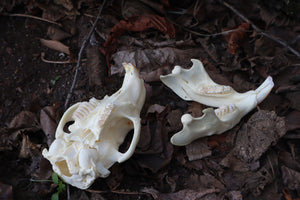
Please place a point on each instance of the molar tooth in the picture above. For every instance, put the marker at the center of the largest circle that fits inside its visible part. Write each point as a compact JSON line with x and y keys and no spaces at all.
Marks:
{"x":215,"y":90}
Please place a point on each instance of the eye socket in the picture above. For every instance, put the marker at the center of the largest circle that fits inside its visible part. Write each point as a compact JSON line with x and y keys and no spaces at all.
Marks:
{"x":127,"y":141}
{"x":66,"y":127}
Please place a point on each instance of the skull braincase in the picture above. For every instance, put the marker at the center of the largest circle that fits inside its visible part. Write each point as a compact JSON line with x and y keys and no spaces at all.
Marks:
{"x":99,"y":128}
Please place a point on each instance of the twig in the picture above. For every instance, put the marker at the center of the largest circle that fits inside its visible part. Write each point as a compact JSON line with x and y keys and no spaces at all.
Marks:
{"x":204,"y":34}
{"x":84,"y":44}
{"x":284,"y":44}
{"x":34,"y":17}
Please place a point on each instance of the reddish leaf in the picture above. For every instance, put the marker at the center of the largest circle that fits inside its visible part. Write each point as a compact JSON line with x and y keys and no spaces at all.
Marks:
{"x":237,"y":37}
{"x":136,"y":24}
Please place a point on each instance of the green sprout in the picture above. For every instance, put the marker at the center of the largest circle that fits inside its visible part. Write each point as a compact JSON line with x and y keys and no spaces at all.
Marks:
{"x":61,"y":186}
{"x":55,"y":80}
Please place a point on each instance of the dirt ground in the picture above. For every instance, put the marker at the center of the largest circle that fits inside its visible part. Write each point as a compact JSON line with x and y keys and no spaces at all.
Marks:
{"x":257,"y":159}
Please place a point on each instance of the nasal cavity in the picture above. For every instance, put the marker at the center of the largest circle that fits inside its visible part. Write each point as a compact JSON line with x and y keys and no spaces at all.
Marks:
{"x":63,"y":167}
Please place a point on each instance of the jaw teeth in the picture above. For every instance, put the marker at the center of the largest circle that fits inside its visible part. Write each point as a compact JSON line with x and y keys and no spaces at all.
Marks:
{"x":84,"y":109}
{"x":104,"y":115}
{"x":215,"y":90}
{"x":224,"y":110}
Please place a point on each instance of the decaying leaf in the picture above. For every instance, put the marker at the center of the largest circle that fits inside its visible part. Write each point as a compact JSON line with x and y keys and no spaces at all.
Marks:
{"x":57,"y":34}
{"x":136,"y":24}
{"x":237,"y":37}
{"x":154,"y":150}
{"x":48,"y":120}
{"x":25,"y":119}
{"x":148,"y":60}
{"x":97,"y":69}
{"x":291,"y":178}
{"x":198,"y":150}
{"x":262,"y":130}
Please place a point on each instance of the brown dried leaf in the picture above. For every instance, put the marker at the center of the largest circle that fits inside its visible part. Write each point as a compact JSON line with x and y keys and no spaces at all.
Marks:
{"x":48,"y":120}
{"x":97,"y":69}
{"x":55,"y":45}
{"x":174,"y":120}
{"x":57,"y":34}
{"x":291,"y":178}
{"x":198,"y":150}
{"x":188,"y":194}
{"x":25,"y":119}
{"x":292,"y":120}
{"x":148,"y":60}
{"x":262,"y":130}
{"x":154,"y":76}
{"x":237,"y":37}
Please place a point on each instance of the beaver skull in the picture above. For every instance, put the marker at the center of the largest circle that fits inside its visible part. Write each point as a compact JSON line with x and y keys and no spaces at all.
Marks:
{"x":100,"y":127}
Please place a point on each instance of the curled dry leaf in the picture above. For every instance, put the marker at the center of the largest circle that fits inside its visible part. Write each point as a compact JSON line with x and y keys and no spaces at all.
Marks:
{"x":57,"y":34}
{"x":237,"y":37}
{"x":55,"y":45}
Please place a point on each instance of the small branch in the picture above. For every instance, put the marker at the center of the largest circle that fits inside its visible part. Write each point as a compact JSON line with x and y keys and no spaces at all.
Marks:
{"x":57,"y":61}
{"x":35,"y":180}
{"x":84,"y":44}
{"x":257,"y":29}
{"x":33,"y":17}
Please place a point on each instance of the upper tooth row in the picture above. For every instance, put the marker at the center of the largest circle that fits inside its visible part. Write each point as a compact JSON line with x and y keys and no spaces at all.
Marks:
{"x":215,"y":89}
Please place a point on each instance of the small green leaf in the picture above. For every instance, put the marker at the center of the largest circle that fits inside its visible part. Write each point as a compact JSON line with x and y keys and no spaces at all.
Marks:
{"x":55,"y":196}
{"x":55,"y":178}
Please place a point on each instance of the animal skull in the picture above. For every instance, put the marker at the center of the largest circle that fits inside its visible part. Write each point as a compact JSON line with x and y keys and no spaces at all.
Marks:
{"x":195,"y":84}
{"x":99,"y":128}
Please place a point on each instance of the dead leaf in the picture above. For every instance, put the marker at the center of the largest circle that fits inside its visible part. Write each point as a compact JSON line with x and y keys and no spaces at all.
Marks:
{"x":188,"y":194}
{"x":97,"y":69}
{"x":55,"y":45}
{"x":148,"y":60}
{"x":174,"y":120}
{"x":154,"y":76}
{"x":115,"y":178}
{"x":292,"y":120}
{"x":237,"y":37}
{"x":234,"y":195}
{"x":291,"y":178}
{"x":25,"y":119}
{"x":49,"y":122}
{"x":263,"y":129}
{"x":198,"y":150}
{"x":57,"y":34}
{"x":136,"y":24}
{"x":6,"y":191}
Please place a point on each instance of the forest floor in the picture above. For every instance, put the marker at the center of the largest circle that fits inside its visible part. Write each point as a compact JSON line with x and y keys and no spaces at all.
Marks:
{"x":239,"y":43}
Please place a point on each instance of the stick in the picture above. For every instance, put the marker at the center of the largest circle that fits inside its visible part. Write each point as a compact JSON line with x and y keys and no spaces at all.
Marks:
{"x":284,"y":44}
{"x":34,"y":17}
{"x":84,"y":44}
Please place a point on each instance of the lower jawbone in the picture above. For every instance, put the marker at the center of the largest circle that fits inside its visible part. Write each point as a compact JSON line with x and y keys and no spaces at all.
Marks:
{"x":195,"y":84}
{"x":100,"y":127}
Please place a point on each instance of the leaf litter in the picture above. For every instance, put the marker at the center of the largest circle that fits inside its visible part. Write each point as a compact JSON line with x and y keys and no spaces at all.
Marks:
{"x":257,"y":159}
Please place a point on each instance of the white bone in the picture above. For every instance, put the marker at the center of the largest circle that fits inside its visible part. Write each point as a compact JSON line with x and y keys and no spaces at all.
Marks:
{"x":195,"y":84}
{"x":99,"y":128}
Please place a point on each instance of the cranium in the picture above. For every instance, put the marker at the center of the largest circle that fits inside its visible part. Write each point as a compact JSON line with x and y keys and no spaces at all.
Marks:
{"x":195,"y":84}
{"x":99,"y":128}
